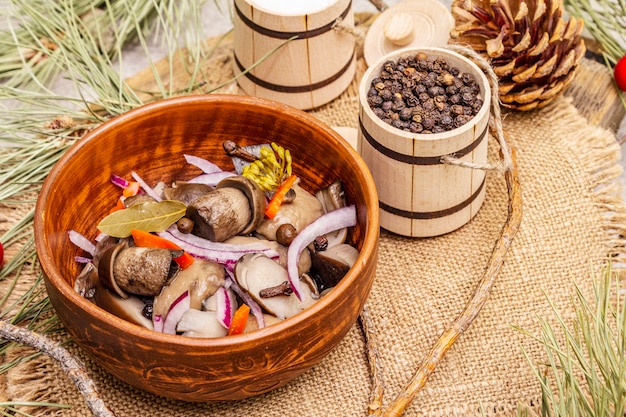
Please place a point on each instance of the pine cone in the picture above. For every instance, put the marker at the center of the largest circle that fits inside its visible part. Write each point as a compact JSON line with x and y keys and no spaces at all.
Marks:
{"x":532,"y":50}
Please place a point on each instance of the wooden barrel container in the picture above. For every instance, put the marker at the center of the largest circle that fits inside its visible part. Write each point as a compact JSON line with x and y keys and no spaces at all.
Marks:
{"x":419,"y":194}
{"x":315,"y":67}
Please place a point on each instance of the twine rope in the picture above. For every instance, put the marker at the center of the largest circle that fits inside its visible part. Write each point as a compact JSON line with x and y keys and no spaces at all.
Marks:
{"x":341,"y":25}
{"x":495,"y":119}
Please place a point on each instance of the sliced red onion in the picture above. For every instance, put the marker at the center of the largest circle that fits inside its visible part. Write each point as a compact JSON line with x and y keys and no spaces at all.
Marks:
{"x":149,"y":190}
{"x":176,"y":311}
{"x":219,"y":246}
{"x":157,"y":323}
{"x":226,"y":306}
{"x":82,"y":242}
{"x":82,"y":259}
{"x":227,"y":258}
{"x":255,"y":308}
{"x":205,"y":166}
{"x":334,"y":220}
{"x":212,"y":178}
{"x":119,"y":181}
{"x":226,"y":254}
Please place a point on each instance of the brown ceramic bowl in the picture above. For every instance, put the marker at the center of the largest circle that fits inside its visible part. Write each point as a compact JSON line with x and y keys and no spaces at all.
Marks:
{"x":152,"y":140}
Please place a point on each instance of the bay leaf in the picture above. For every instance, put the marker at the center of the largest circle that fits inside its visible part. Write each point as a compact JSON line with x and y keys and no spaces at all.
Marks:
{"x":153,"y":216}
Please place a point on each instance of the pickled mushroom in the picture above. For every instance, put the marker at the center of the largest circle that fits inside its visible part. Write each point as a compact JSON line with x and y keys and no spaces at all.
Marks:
{"x":186,"y":192}
{"x":301,"y":212}
{"x":127,"y":269}
{"x":130,"y":309}
{"x":255,"y":272}
{"x":201,"y":279}
{"x":197,"y":323}
{"x":329,"y":266}
{"x":304,"y":262}
{"x":86,"y":281}
{"x":235,"y":207}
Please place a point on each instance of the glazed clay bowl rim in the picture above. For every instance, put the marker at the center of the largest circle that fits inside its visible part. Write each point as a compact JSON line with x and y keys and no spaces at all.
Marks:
{"x":374,"y":69}
{"x":55,"y":277}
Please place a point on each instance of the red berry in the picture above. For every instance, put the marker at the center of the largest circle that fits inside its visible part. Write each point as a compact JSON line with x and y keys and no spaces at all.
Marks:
{"x":619,"y":72}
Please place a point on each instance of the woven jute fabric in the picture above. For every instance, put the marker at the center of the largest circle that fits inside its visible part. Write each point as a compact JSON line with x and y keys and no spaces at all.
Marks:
{"x":573,"y":219}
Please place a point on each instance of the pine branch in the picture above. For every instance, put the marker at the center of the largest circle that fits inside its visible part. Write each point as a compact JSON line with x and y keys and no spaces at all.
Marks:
{"x":73,"y":367}
{"x":462,"y":323}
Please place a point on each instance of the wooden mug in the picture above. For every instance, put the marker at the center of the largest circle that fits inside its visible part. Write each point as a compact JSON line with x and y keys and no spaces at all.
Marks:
{"x":303,"y":60}
{"x":419,"y":194}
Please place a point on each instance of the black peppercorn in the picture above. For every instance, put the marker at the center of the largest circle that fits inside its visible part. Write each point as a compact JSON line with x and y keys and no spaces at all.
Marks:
{"x":429,"y":104}
{"x":386,"y":95}
{"x":374,"y":101}
{"x":285,"y":234}
{"x":389,"y":66}
{"x":184,"y":225}
{"x":446,"y":120}
{"x":320,"y":243}
{"x":423,"y":95}
{"x":147,"y":310}
{"x":416,"y":127}
{"x":406,"y":113}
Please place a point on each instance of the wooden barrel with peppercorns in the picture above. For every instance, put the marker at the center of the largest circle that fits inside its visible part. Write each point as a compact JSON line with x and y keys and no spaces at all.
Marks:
{"x":419,"y":109}
{"x":300,"y":53}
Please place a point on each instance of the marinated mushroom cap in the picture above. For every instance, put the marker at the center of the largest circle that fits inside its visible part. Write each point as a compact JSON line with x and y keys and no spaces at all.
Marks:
{"x":235,"y":207}
{"x":127,"y":269}
{"x":196,"y":323}
{"x":304,"y":261}
{"x":131,"y":309}
{"x":329,"y":267}
{"x":105,"y":268}
{"x":301,"y":212}
{"x":332,"y":197}
{"x":256,"y":272}
{"x":186,"y":192}
{"x":256,"y":199}
{"x":202,"y":279}
{"x":86,"y":281}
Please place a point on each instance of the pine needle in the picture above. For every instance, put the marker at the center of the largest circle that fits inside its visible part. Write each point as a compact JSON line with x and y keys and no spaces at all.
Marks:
{"x":12,"y":408}
{"x":28,"y":49}
{"x":83,"y":41}
{"x":585,"y":369}
{"x":606,"y":21}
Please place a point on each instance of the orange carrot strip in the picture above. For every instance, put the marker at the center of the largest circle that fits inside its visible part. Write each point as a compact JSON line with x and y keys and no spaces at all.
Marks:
{"x":149,"y":240}
{"x":240,"y":318}
{"x":131,"y":190}
{"x":277,"y":199}
{"x":119,"y":206}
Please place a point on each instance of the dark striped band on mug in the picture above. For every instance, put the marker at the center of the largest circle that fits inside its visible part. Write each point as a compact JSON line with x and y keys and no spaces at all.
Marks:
{"x":426,"y":215}
{"x":425,"y":160}
{"x":288,"y":35}
{"x":294,"y":89}
{"x":419,"y":160}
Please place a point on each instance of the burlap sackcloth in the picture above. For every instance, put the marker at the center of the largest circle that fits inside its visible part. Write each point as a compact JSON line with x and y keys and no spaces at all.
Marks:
{"x":573,"y":216}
